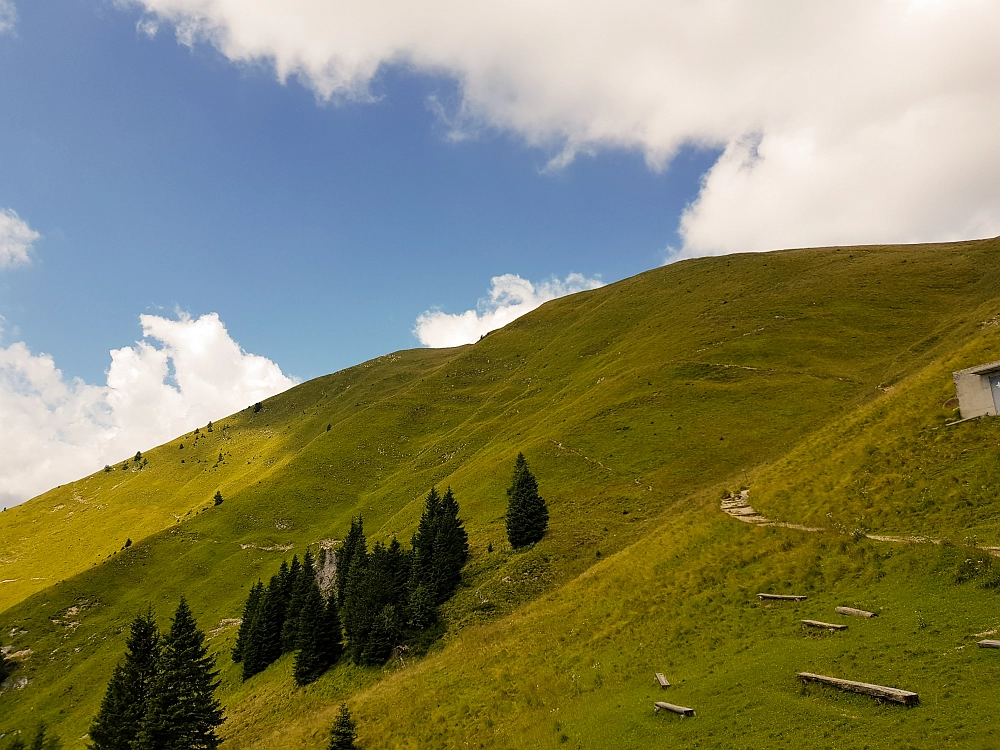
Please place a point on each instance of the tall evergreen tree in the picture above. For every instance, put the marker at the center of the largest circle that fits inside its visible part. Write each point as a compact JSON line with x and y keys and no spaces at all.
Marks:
{"x":423,"y":540}
{"x":319,"y":639}
{"x":349,"y":550}
{"x":344,"y":731}
{"x":303,"y":574}
{"x":440,"y":549}
{"x":183,"y":711}
{"x":272,"y":619}
{"x":126,"y":700}
{"x":527,"y":514}
{"x":451,"y":548}
{"x":249,"y":612}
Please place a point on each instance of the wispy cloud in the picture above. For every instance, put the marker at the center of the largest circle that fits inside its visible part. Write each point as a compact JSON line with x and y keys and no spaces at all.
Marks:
{"x":868,"y":120}
{"x":184,"y":373}
{"x":16,"y":238}
{"x":509,"y":298}
{"x":8,"y":16}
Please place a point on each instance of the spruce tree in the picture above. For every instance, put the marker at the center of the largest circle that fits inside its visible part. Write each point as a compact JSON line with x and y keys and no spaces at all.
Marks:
{"x":423,"y":540}
{"x":354,"y":542}
{"x":527,"y":514}
{"x":126,"y":700}
{"x":301,"y":575}
{"x":183,"y":711}
{"x":272,"y":619}
{"x":249,"y":612}
{"x":344,"y":731}
{"x":319,"y":638}
{"x":451,"y":548}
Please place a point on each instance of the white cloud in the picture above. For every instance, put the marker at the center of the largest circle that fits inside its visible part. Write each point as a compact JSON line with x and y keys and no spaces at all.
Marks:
{"x":16,"y":237}
{"x":509,"y":298}
{"x":8,"y":16}
{"x":873,"y":119}
{"x":54,"y":430}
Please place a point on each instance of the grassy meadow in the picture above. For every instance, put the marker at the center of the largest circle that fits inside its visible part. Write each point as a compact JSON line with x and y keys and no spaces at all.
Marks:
{"x":818,"y":378}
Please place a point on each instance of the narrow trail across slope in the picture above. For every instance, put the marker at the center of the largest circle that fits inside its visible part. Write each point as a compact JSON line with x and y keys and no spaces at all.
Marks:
{"x":738,"y":506}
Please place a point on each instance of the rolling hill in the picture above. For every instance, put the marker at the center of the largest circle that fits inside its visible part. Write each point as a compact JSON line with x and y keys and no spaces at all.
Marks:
{"x":819,"y":378}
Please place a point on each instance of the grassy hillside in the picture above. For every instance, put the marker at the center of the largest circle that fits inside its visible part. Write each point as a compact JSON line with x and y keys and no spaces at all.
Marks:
{"x":637,"y":405}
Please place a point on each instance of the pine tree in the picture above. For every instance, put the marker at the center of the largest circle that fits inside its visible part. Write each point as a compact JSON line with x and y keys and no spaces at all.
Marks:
{"x":126,"y":700}
{"x":423,"y":540}
{"x":319,"y":638}
{"x":344,"y":731}
{"x":451,"y":548}
{"x":302,"y":574}
{"x":354,"y":542}
{"x":527,"y":514}
{"x":440,"y":548}
{"x":183,"y":711}
{"x":382,"y":638}
{"x":249,"y":612}
{"x":272,"y":619}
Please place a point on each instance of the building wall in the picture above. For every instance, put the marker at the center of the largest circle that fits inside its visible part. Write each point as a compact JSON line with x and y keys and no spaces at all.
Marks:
{"x":974,"y":396}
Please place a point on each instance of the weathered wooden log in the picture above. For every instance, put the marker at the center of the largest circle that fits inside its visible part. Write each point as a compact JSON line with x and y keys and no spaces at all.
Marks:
{"x":989,"y":644}
{"x":896,"y":695}
{"x":827,"y":625}
{"x":781,"y":597}
{"x":662,"y":680}
{"x":855,"y":612}
{"x":671,"y":707}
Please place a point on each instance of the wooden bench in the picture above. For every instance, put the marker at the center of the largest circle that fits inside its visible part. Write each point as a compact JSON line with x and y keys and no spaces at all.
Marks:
{"x":989,"y":644}
{"x":660,"y":705}
{"x":854,"y":612}
{"x":827,"y":625}
{"x":662,"y":680}
{"x":781,"y":597}
{"x":896,"y":695}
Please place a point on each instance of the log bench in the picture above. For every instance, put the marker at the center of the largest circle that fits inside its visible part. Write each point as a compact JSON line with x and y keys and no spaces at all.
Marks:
{"x":854,"y":612}
{"x":781,"y":597}
{"x":660,"y":705}
{"x":827,"y":625}
{"x":989,"y":644}
{"x":895,"y":695}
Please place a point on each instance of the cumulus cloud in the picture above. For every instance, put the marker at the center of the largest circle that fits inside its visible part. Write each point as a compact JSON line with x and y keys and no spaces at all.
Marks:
{"x":16,"y":237}
{"x":839,"y":121}
{"x":509,"y":298}
{"x":184,"y":373}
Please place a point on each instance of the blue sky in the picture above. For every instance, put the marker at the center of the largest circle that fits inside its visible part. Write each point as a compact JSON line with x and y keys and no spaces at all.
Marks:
{"x":204,"y":201}
{"x":163,"y":176}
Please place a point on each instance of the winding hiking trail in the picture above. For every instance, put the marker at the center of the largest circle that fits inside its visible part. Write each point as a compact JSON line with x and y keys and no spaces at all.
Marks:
{"x":738,"y":506}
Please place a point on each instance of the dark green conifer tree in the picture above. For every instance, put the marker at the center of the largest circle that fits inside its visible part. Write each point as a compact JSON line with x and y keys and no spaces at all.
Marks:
{"x":451,"y":548}
{"x":249,"y":612}
{"x":423,"y":540}
{"x":300,"y":576}
{"x":126,"y":700}
{"x":344,"y":731}
{"x":527,"y":514}
{"x":272,"y":619}
{"x":382,"y":638}
{"x":354,"y":542}
{"x":183,"y":711}
{"x":43,"y":740}
{"x":319,"y":638}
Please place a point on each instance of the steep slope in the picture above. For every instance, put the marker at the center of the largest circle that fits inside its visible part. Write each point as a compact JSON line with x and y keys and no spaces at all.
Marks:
{"x":636,"y":404}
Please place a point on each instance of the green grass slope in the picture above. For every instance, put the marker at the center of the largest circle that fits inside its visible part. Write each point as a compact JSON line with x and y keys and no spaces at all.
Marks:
{"x":636,"y":405}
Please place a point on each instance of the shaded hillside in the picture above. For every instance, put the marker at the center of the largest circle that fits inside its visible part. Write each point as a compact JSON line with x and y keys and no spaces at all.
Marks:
{"x":636,"y":404}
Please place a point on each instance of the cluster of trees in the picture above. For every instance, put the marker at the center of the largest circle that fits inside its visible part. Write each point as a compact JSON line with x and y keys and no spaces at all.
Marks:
{"x":527,"y":514}
{"x":383,"y":596}
{"x":290,"y":614}
{"x":391,"y":594}
{"x":162,"y":695}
